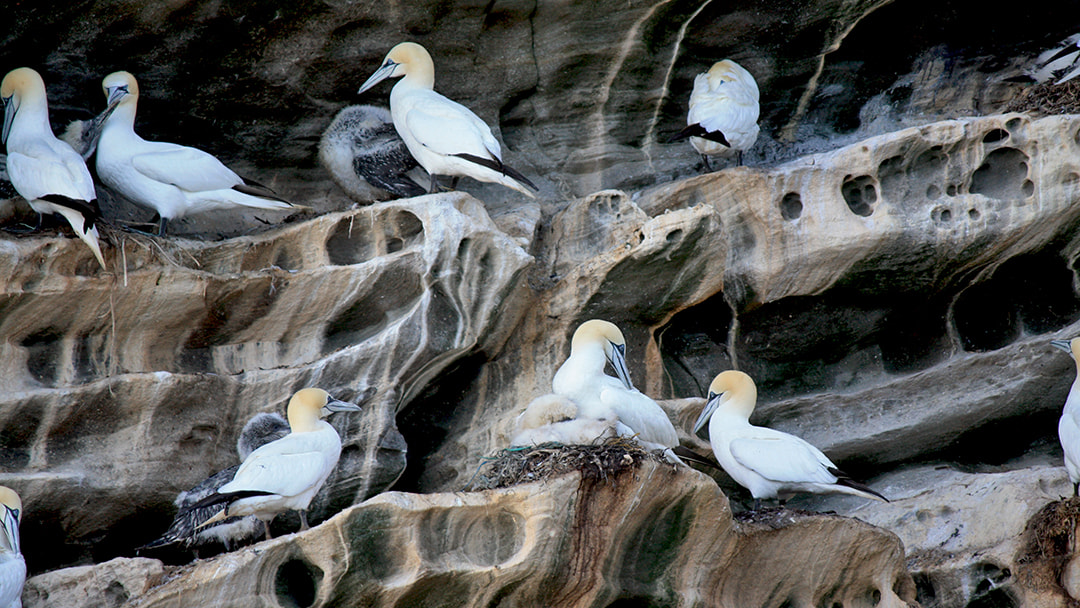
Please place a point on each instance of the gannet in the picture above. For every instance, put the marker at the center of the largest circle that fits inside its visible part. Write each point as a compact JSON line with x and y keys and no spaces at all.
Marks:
{"x":83,"y":135}
{"x":723,"y":115}
{"x":185,"y":529}
{"x":45,"y":171}
{"x":12,"y":564}
{"x":364,"y":154}
{"x":285,"y":474}
{"x":1069,"y":424}
{"x":769,"y":463}
{"x":553,"y":418}
{"x":171,"y":179}
{"x":1061,"y":61}
{"x":581,"y":379}
{"x":445,"y":137}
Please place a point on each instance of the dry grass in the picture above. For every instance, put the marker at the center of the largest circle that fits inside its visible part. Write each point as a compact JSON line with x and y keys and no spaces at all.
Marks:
{"x":519,"y":465}
{"x":1046,"y":99}
{"x":1049,"y":542}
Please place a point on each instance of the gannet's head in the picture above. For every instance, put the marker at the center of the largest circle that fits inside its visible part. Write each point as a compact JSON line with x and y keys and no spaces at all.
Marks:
{"x":20,"y":86}
{"x":729,"y":71}
{"x":608,"y":336}
{"x":732,"y":388}
{"x":546,"y":409}
{"x":10,"y":513}
{"x":1070,"y":346}
{"x":407,"y":58}
{"x":307,"y":406}
{"x":120,"y":87}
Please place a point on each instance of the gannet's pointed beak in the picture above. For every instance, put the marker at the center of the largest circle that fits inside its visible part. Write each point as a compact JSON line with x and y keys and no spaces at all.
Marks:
{"x":618,"y":361}
{"x":710,"y":406}
{"x":1071,"y":48}
{"x":115,"y":95}
{"x":9,"y":529}
{"x":337,"y":405}
{"x":1065,"y":345}
{"x":10,"y":106}
{"x":385,"y":71}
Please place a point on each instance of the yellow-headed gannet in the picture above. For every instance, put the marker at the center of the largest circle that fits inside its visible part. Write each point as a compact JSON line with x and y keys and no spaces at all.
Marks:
{"x":723,"y":115}
{"x":364,"y":154}
{"x":285,"y":474}
{"x":12,"y":565}
{"x":171,"y":179}
{"x":769,"y":463}
{"x":553,"y":419}
{"x":581,"y":379}
{"x":1069,"y":424}
{"x":45,"y":171}
{"x":445,"y":137}
{"x":186,"y":528}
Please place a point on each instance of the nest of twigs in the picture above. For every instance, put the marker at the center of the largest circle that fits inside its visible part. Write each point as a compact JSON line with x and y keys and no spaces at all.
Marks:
{"x":518,"y":465}
{"x":1049,"y":542}
{"x":1048,"y":98}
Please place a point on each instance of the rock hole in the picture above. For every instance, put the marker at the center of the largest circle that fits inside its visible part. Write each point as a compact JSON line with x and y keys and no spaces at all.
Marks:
{"x":950,"y":190}
{"x":351,"y":242}
{"x":1013,"y":124}
{"x":875,"y":597}
{"x":791,"y":206}
{"x":674,"y":235}
{"x":1071,"y":179}
{"x":115,"y":594}
{"x":394,"y":244}
{"x":693,"y":345}
{"x":296,"y":584}
{"x":43,"y":357}
{"x":390,"y":296}
{"x":995,"y":136}
{"x":973,"y":213}
{"x":1028,"y":188}
{"x":1002,"y":175}
{"x":941,"y":215}
{"x":925,"y":593}
{"x":860,"y":194}
{"x":933,"y":192}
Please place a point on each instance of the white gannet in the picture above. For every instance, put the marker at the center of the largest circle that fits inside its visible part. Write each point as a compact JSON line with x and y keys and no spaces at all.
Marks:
{"x":364,"y":154}
{"x":1069,"y":424}
{"x":581,"y":379}
{"x":45,"y":171}
{"x":769,"y":463}
{"x":12,"y":564}
{"x":285,"y":474}
{"x":83,"y":135}
{"x":171,"y":179}
{"x":1061,"y":62}
{"x":185,"y":529}
{"x":723,"y":115}
{"x":553,"y":418}
{"x":445,"y":137}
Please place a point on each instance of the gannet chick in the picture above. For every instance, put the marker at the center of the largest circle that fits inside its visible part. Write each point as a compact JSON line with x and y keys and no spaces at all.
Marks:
{"x":364,"y":154}
{"x":185,"y":529}
{"x":445,"y":137}
{"x":83,"y":135}
{"x":171,"y":179}
{"x":1069,"y":424}
{"x":553,"y":419}
{"x":45,"y":171}
{"x":723,"y":115}
{"x":12,"y":564}
{"x":769,"y":463}
{"x":581,"y":379}
{"x":285,"y":474}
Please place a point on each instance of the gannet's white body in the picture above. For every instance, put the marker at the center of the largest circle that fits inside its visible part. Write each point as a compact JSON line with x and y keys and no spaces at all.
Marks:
{"x":45,"y":171}
{"x":171,"y":179}
{"x":582,"y":380}
{"x":364,"y":154}
{"x":1069,"y":424}
{"x":724,"y":109}
{"x":12,"y":565}
{"x":445,"y":137}
{"x":769,"y":463}
{"x":285,"y":474}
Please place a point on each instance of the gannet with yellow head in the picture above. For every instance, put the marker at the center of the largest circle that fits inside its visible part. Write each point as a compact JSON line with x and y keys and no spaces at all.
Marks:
{"x":285,"y":474}
{"x":45,"y":171}
{"x":581,"y":379}
{"x":723,"y":115}
{"x":12,"y":565}
{"x":445,"y":137}
{"x":171,"y":179}
{"x":1069,"y":424}
{"x":769,"y":463}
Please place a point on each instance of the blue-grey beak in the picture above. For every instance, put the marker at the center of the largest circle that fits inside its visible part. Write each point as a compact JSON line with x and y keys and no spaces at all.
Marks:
{"x":10,"y":106}
{"x":9,"y":529}
{"x":1065,"y":345}
{"x":384,"y":72}
{"x":710,"y":406}
{"x":115,"y":95}
{"x":337,"y":405}
{"x":618,"y":361}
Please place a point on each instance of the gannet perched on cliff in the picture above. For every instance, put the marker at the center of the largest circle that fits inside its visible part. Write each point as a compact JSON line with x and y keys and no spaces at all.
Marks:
{"x":365,"y":155}
{"x":1069,"y":424}
{"x":12,"y":565}
{"x":445,"y":137}
{"x":285,"y":474}
{"x":171,"y":179}
{"x":723,"y":115}
{"x":45,"y":171}
{"x":185,"y":529}
{"x":769,"y":463}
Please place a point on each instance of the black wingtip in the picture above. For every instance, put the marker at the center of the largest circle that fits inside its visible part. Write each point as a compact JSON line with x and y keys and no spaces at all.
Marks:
{"x":497,"y":165}
{"x":222,"y":498}
{"x":692,"y":456}
{"x":254,"y":188}
{"x":696,"y":130}
{"x":844,"y":479}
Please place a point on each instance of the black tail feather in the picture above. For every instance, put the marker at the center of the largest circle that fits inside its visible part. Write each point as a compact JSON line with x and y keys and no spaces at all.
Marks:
{"x":497,"y":165}
{"x":692,"y":456}
{"x":696,"y":130}
{"x":254,"y":188}
{"x":89,"y":209}
{"x":224,"y":498}
{"x":844,"y":479}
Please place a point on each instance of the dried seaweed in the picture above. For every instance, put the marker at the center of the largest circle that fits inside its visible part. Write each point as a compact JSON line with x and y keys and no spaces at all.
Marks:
{"x":1048,"y":98}
{"x":519,"y":465}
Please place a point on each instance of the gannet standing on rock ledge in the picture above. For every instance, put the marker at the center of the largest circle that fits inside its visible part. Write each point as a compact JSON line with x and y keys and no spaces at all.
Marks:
{"x":171,"y":179}
{"x":769,"y":463}
{"x":1069,"y":424}
{"x":723,"y":115}
{"x":365,"y":155}
{"x":445,"y":137}
{"x":12,"y":564}
{"x":45,"y":171}
{"x":285,"y":474}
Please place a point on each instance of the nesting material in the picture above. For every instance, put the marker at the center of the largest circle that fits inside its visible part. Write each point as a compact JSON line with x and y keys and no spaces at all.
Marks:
{"x":1049,"y":543}
{"x":1048,"y":98}
{"x":518,"y":465}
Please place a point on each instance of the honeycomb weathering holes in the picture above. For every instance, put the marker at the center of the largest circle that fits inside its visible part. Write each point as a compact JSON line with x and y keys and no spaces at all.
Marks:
{"x":860,"y":194}
{"x":791,"y":206}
